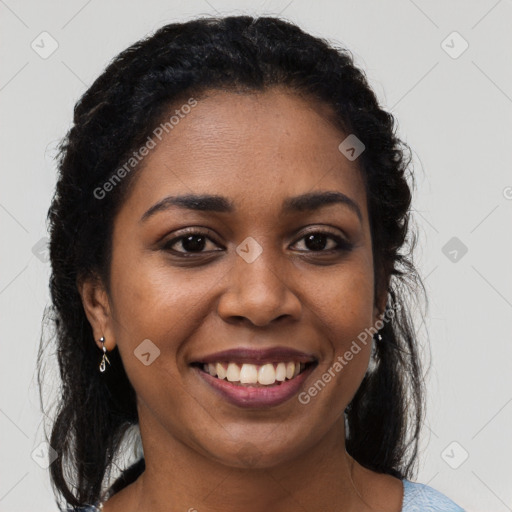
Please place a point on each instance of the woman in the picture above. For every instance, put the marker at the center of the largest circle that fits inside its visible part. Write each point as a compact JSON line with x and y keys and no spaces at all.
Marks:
{"x":229,"y":275}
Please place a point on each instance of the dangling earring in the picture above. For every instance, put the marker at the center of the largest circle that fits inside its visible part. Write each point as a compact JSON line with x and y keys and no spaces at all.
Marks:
{"x":379,"y":337}
{"x":104,"y":358}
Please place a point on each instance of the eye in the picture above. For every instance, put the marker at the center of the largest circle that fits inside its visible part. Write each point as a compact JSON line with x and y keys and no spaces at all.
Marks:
{"x":192,"y":241}
{"x":317,"y":241}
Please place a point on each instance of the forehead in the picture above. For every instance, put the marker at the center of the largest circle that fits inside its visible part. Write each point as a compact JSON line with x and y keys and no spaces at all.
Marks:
{"x":256,"y":148}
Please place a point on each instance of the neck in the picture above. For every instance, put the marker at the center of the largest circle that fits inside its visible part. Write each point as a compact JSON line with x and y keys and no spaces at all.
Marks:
{"x":178,"y":477}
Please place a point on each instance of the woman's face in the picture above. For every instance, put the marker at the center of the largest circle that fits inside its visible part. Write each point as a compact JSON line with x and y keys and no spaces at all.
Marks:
{"x":250,"y":277}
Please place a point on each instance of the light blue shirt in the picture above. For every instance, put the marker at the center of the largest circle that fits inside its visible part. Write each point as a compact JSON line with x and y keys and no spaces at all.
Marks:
{"x":417,"y":498}
{"x":422,"y":498}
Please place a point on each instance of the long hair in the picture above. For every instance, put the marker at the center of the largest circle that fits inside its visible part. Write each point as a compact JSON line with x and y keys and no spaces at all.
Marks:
{"x":94,"y":411}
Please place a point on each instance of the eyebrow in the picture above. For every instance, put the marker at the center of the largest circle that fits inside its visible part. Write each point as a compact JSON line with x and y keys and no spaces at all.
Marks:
{"x":213,"y":203}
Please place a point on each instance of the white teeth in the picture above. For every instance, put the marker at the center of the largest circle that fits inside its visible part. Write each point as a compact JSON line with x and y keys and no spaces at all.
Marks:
{"x":220,"y":371}
{"x":233,"y":372}
{"x":266,"y":374}
{"x":249,"y":374}
{"x":281,"y":372}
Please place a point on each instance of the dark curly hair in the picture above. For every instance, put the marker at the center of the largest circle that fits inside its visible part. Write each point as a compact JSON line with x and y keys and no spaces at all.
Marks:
{"x":95,"y":411}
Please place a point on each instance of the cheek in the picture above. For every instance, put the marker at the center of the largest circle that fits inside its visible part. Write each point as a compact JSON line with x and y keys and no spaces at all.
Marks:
{"x":344,"y":301}
{"x":344,"y":313}
{"x":155,"y":310}
{"x":156,"y":302}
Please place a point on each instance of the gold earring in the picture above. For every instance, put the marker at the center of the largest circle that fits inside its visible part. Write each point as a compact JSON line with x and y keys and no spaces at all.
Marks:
{"x":104,"y":358}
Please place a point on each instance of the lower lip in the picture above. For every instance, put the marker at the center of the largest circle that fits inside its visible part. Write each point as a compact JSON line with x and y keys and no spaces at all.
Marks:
{"x":256,"y":396}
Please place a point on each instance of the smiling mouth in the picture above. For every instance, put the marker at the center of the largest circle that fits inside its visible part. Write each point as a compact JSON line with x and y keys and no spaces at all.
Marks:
{"x":255,"y":375}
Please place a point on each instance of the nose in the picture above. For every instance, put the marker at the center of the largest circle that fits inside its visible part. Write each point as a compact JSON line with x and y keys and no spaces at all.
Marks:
{"x":258,"y":293}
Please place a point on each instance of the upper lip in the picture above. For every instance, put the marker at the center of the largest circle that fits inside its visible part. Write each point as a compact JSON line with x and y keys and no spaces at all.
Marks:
{"x":258,"y":356}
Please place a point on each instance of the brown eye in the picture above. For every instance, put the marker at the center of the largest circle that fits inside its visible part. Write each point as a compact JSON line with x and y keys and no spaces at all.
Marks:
{"x":321,"y":241}
{"x":189,"y":243}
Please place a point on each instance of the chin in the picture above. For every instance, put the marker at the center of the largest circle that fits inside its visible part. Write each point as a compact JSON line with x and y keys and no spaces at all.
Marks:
{"x":255,"y":454}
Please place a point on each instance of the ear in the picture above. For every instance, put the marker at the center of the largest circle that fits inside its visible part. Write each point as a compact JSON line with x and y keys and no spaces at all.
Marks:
{"x":97,"y":309}
{"x":380,"y":307}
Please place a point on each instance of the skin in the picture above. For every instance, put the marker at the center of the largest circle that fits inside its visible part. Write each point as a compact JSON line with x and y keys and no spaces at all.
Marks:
{"x":202,"y":452}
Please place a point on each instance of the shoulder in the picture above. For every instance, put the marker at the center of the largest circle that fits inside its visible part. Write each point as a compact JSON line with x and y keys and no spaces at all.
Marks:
{"x":422,"y":498}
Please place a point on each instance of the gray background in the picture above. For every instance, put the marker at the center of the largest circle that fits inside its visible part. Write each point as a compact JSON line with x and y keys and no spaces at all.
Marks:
{"x":453,"y":108}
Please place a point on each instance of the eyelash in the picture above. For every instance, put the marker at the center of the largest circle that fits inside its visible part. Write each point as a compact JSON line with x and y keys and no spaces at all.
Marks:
{"x":342,"y":244}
